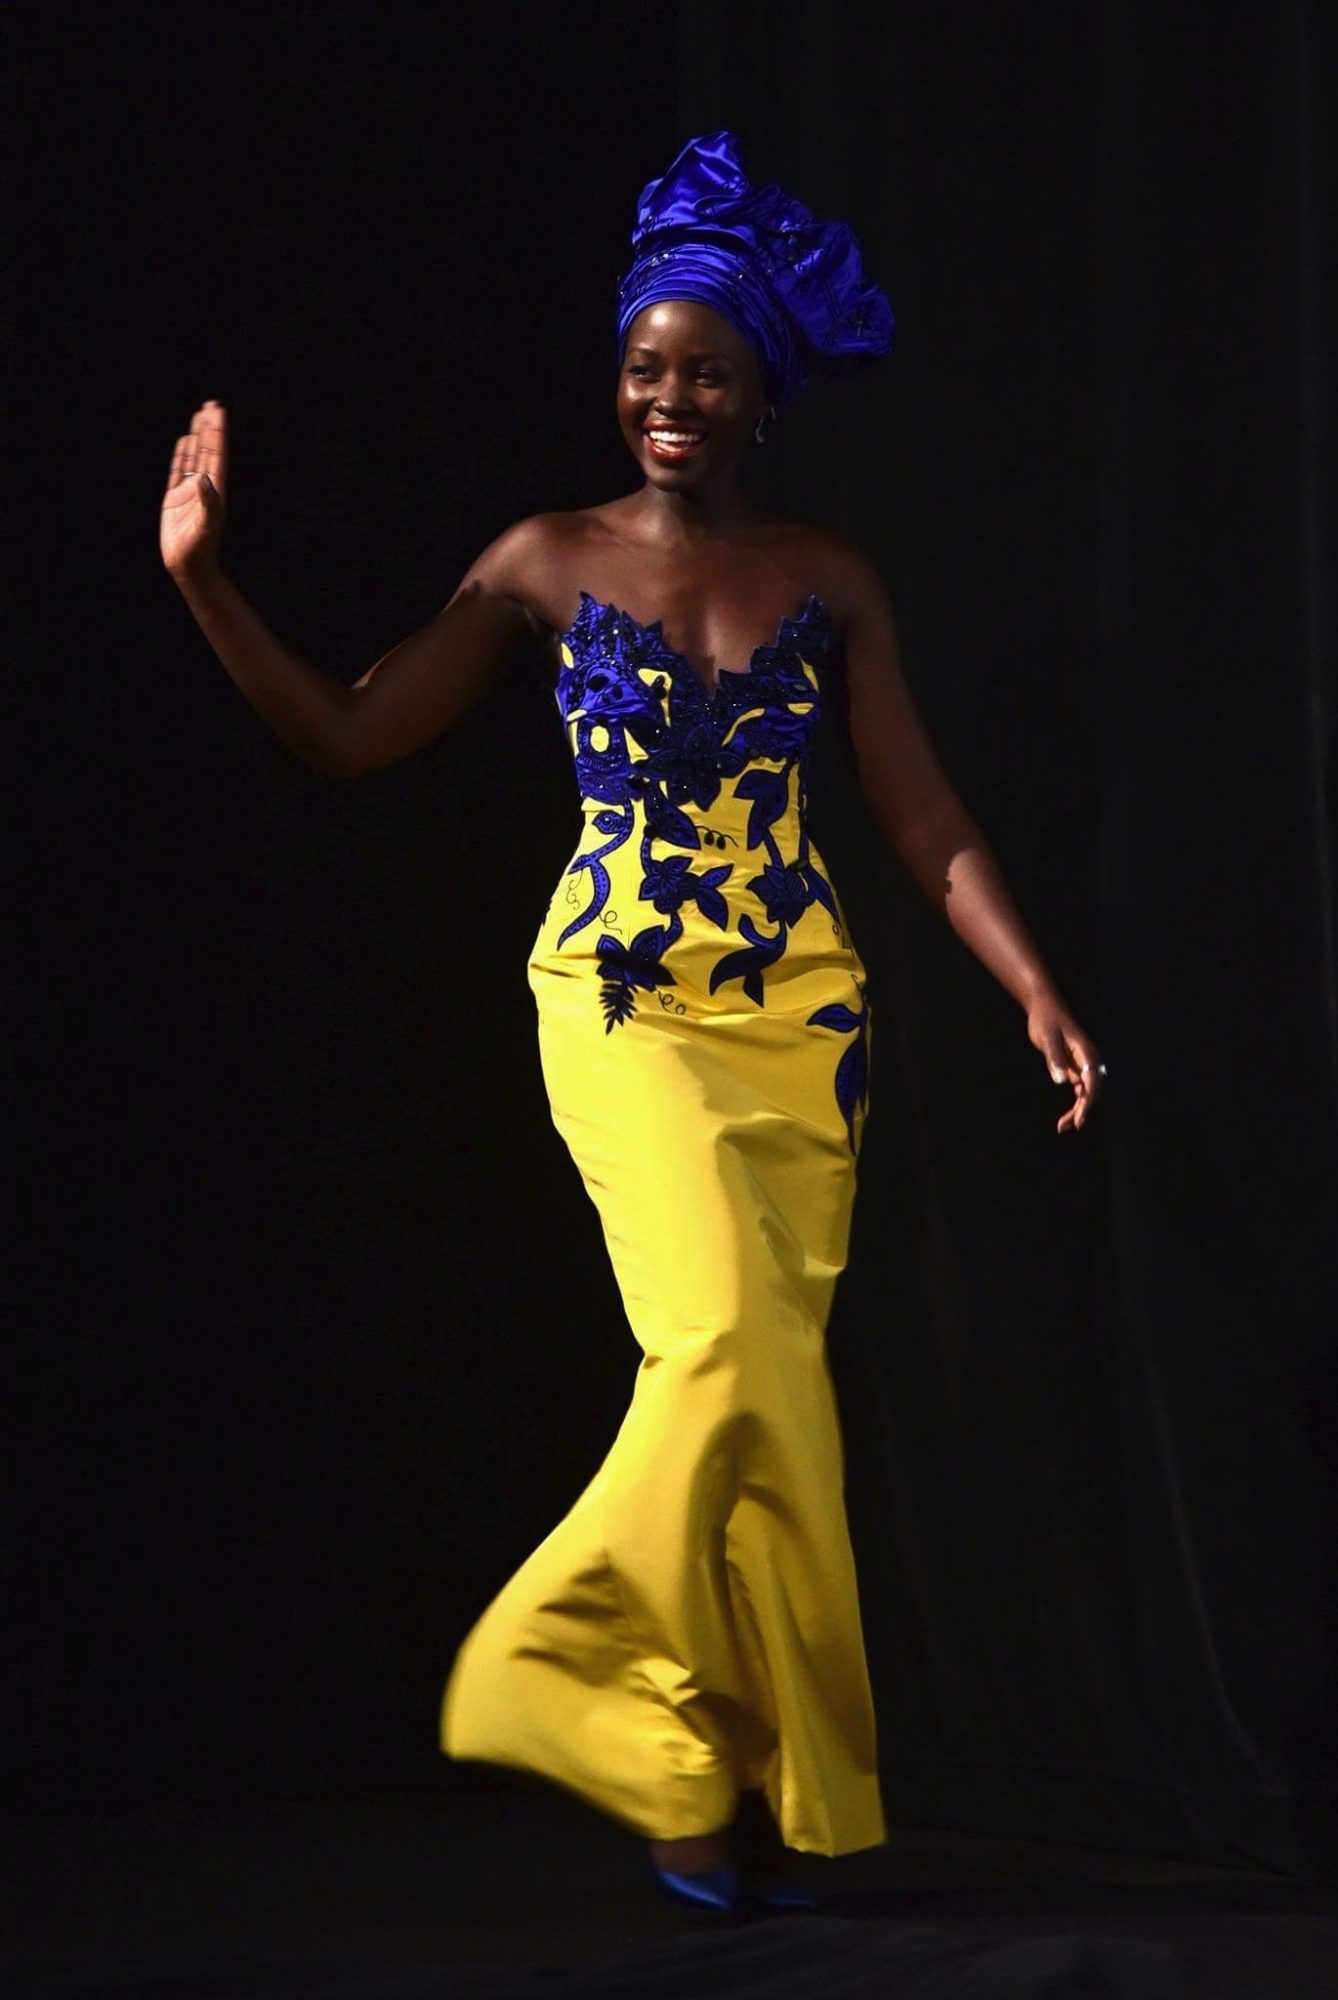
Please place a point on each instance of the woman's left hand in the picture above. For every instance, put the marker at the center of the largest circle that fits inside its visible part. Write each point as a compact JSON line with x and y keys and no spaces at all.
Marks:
{"x":1070,"y":1056}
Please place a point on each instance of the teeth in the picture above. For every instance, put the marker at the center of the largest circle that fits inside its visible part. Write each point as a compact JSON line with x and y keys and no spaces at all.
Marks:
{"x":675,"y":437}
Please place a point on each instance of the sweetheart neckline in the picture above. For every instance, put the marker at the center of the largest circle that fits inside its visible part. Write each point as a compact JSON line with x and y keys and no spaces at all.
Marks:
{"x":655,"y":630}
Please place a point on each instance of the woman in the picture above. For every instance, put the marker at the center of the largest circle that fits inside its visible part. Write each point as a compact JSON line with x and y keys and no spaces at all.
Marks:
{"x":690,"y":1631}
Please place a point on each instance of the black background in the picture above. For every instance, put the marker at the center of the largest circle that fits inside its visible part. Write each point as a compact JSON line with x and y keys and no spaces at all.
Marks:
{"x":318,"y":1336}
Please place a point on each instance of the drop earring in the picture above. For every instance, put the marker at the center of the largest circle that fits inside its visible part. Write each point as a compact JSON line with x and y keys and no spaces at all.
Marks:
{"x":770,"y":411}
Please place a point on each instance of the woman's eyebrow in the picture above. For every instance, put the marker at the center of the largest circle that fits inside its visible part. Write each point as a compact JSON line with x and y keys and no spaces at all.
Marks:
{"x":702,"y":354}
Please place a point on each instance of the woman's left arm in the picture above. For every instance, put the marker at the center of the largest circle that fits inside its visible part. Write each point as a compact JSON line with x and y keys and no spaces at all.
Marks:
{"x":937,"y":839}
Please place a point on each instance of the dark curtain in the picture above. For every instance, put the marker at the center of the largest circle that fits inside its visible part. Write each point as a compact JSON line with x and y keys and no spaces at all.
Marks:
{"x":1087,"y":1382}
{"x":315,"y":1340}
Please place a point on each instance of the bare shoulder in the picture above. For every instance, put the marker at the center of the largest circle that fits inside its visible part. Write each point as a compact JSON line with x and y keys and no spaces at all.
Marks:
{"x":846,"y":578}
{"x":529,"y":563}
{"x":543,"y":560}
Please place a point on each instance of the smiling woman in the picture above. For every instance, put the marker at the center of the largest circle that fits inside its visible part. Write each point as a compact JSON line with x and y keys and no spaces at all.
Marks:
{"x":672,"y":443}
{"x":708,"y":414}
{"x":690,"y":1631}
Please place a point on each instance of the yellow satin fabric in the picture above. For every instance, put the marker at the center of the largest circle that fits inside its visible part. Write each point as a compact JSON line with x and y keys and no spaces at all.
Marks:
{"x":691,"y":1626}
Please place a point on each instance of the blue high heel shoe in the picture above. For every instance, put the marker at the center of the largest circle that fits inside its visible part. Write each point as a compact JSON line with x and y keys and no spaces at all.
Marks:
{"x":763,"y":1860}
{"x":715,"y":1889}
{"x":783,"y":1896}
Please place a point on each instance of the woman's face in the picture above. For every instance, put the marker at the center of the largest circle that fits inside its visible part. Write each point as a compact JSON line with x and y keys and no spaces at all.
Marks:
{"x":686,"y":369}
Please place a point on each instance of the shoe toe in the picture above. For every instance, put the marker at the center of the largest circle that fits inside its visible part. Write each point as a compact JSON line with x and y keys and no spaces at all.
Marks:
{"x":777,"y":1895}
{"x":709,"y":1889}
{"x":785,"y":1896}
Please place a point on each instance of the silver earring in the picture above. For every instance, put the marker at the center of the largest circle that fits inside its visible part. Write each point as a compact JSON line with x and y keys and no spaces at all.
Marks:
{"x":770,"y":411}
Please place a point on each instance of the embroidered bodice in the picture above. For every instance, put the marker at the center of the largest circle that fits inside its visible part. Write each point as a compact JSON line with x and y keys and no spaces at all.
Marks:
{"x":683,"y":768}
{"x":643,"y":725}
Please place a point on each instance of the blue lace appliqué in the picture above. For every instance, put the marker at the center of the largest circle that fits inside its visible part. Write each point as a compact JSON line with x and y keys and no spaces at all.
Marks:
{"x":644,"y":728}
{"x":852,"y":1071}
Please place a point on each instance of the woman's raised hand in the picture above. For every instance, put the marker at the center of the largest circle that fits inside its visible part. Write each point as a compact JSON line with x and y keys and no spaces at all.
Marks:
{"x":191,"y":526}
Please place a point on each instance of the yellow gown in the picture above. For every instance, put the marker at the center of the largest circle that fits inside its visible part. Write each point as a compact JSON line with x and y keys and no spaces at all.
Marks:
{"x":691,"y":1626}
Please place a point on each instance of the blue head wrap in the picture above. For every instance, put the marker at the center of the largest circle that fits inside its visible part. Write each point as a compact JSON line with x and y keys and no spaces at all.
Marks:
{"x":792,"y":286}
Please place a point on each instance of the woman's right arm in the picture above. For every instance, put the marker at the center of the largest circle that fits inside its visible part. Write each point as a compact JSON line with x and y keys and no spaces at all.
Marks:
{"x":409,"y":697}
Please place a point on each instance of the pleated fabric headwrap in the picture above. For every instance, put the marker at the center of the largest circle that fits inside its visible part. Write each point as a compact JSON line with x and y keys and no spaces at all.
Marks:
{"x":792,"y":286}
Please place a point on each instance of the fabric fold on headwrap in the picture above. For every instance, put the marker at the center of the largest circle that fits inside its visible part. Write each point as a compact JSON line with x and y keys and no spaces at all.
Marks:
{"x":793,"y":286}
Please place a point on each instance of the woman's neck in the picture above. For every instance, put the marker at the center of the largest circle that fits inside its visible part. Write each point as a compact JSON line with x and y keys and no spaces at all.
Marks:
{"x":711,"y":513}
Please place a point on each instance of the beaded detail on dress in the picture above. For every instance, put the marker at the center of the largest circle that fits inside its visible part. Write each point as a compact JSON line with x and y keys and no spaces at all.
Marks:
{"x":661,"y":756}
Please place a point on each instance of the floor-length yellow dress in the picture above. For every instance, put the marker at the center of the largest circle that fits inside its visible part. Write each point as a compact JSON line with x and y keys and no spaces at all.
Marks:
{"x":691,"y":1626}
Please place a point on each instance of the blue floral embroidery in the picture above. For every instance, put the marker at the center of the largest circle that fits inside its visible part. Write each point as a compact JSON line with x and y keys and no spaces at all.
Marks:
{"x":852,"y":1072}
{"x":625,"y":687}
{"x":625,"y":967}
{"x":668,"y":884}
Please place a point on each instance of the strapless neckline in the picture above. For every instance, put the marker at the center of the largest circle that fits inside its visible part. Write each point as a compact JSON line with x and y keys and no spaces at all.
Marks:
{"x":813,"y":611}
